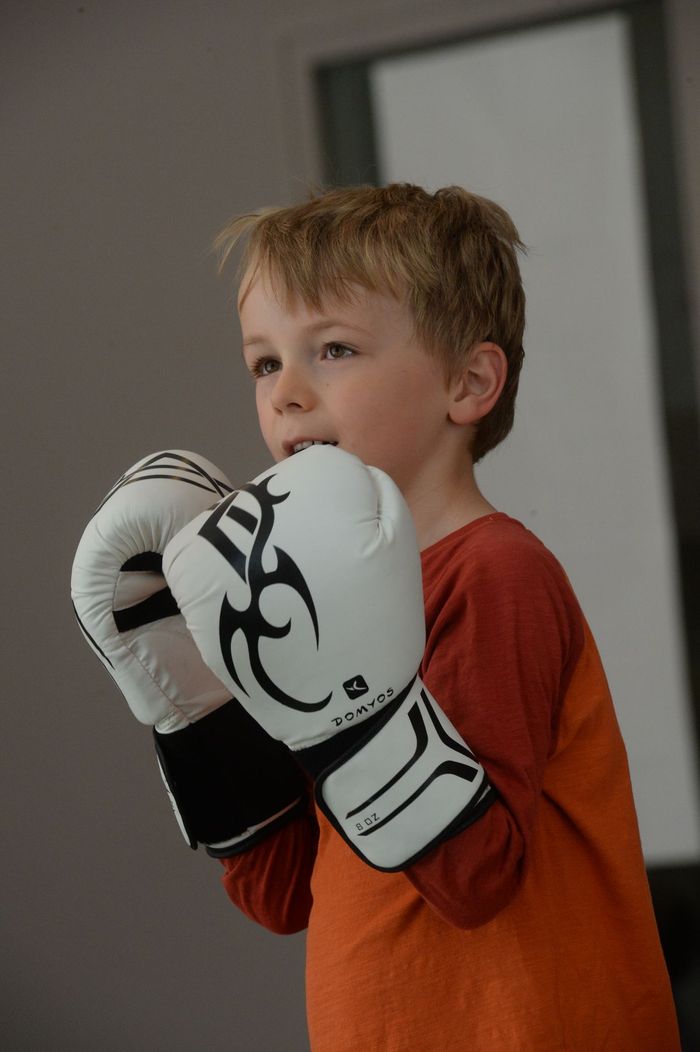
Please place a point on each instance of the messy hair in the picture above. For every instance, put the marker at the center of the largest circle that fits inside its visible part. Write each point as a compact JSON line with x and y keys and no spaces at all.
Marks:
{"x":451,"y":256}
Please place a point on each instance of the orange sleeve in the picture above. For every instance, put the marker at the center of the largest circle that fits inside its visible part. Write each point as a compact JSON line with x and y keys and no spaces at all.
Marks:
{"x":271,"y":882}
{"x":504,"y":634}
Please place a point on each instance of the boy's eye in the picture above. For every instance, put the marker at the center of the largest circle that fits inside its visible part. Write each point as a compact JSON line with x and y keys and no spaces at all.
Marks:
{"x":337,"y":350}
{"x":264,"y":367}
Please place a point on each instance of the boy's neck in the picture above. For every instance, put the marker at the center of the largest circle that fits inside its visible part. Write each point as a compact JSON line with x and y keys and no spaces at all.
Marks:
{"x":439,"y":509}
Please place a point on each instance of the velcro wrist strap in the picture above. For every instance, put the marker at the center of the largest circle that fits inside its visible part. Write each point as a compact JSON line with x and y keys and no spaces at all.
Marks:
{"x":406,"y":788}
{"x":229,"y":782}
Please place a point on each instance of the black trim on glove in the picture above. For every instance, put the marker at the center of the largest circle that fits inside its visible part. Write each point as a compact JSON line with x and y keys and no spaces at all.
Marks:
{"x":227,"y":776}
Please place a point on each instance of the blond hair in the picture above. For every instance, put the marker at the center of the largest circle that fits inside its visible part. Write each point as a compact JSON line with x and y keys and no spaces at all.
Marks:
{"x":451,"y":255}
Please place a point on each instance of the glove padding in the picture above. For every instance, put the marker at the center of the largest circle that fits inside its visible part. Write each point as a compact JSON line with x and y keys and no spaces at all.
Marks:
{"x":228,"y":781}
{"x":303,"y":592}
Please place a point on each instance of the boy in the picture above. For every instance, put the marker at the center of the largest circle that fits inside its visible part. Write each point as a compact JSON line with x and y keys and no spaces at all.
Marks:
{"x":389,"y":322}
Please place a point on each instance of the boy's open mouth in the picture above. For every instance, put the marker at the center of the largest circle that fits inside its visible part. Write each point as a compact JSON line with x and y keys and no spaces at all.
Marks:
{"x":307,"y":442}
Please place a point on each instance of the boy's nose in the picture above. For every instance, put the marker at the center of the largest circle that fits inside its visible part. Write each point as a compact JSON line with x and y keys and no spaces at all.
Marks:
{"x":292,"y":391}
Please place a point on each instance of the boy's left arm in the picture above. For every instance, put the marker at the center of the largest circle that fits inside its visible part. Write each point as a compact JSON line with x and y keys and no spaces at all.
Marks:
{"x":500,"y":653}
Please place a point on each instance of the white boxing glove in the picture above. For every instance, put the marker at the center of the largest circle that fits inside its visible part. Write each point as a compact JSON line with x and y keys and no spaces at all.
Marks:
{"x":228,"y":781}
{"x":303,"y":592}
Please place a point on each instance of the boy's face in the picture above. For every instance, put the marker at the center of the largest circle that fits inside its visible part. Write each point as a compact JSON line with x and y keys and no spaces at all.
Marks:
{"x":351,"y":374}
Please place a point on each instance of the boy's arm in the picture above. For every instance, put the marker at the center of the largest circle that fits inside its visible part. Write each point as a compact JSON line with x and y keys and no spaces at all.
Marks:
{"x":504,"y":641}
{"x":271,"y":882}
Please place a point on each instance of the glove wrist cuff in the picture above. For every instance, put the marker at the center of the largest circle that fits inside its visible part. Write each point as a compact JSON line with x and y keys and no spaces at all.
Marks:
{"x":408,"y":784}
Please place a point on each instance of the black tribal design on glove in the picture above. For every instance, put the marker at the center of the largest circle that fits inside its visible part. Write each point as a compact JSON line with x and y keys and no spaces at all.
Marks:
{"x":170,"y":465}
{"x":251,"y":621}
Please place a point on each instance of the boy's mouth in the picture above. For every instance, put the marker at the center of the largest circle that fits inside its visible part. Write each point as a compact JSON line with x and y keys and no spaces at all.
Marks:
{"x":291,"y":448}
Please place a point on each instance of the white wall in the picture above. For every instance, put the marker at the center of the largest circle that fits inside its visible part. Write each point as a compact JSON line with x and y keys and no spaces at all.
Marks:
{"x":544,"y":123}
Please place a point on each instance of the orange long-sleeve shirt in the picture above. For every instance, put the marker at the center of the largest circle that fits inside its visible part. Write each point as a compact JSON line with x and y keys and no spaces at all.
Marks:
{"x":532,"y":930}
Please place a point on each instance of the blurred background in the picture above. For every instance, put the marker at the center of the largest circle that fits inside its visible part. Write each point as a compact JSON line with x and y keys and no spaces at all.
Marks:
{"x":131,"y":132}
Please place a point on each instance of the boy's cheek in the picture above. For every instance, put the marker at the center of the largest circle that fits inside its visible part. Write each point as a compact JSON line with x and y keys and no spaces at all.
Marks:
{"x":276,"y":452}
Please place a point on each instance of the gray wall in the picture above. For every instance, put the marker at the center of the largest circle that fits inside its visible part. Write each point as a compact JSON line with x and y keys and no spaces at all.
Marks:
{"x":130,"y":132}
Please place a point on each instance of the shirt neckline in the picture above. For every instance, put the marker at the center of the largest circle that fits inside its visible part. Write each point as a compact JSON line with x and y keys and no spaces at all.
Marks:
{"x":469,"y":527}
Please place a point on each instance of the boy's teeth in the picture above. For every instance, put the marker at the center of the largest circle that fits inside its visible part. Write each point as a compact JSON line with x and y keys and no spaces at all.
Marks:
{"x":310,"y":442}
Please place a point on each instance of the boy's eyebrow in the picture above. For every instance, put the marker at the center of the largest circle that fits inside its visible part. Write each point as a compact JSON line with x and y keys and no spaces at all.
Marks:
{"x":253,"y":340}
{"x":317,"y":326}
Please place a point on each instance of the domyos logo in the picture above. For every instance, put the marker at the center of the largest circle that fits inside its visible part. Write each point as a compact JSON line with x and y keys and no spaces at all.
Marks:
{"x":356,"y":688}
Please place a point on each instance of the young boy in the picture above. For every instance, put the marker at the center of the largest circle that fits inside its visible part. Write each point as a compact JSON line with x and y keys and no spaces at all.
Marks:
{"x":389,"y":323}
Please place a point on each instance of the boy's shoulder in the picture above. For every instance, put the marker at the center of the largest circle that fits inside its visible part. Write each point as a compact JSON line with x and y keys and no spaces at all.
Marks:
{"x":493,"y":552}
{"x":495,"y":578}
{"x":493,"y":536}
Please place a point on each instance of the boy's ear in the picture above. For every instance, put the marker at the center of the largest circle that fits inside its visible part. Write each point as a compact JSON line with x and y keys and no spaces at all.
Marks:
{"x":475,"y":391}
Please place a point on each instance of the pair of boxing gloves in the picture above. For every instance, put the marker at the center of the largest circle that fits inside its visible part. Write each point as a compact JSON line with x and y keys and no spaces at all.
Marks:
{"x":271,"y":635}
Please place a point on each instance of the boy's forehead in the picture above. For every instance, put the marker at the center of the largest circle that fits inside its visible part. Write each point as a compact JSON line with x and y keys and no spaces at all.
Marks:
{"x":268,"y":313}
{"x":349,"y":298}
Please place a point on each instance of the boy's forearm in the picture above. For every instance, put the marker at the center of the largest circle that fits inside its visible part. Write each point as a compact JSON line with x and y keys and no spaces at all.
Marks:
{"x":271,"y":883}
{"x":470,"y":878}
